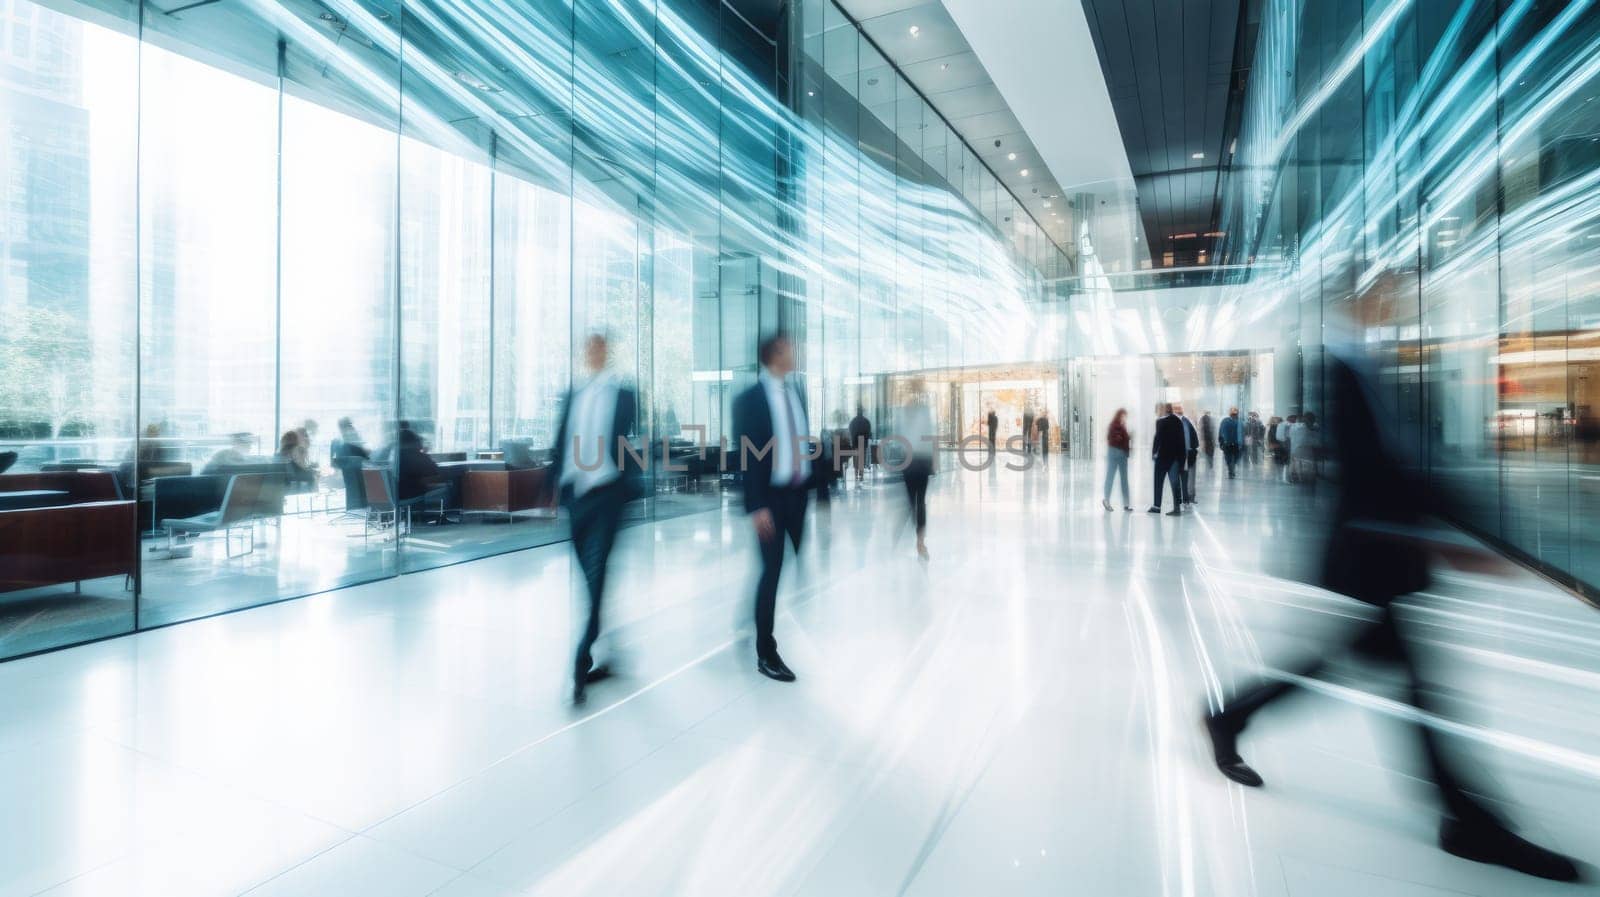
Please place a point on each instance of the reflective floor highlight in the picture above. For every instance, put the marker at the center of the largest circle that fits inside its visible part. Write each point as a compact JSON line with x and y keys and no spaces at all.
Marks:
{"x":1020,"y":715}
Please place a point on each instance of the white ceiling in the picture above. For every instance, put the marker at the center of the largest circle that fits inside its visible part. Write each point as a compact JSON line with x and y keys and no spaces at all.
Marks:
{"x":1041,"y":56}
{"x":1021,"y":77}
{"x":945,"y":70}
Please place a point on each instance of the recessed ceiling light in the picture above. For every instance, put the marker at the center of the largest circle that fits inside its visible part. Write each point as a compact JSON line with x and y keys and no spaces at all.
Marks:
{"x":915,"y":30}
{"x":945,"y":67}
{"x":872,"y":82}
{"x":1024,"y":172}
{"x":1011,"y":156}
{"x":1198,"y":156}
{"x":811,"y":93}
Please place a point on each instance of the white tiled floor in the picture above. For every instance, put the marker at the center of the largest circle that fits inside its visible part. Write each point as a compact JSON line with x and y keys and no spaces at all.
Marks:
{"x":1018,"y":716}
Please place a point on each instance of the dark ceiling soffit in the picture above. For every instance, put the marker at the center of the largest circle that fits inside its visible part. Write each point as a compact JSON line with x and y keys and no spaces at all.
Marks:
{"x":1244,"y":53}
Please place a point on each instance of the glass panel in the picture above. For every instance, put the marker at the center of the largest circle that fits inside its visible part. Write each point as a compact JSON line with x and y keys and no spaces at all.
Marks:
{"x":67,"y":329}
{"x":445,"y":356}
{"x":209,"y":319}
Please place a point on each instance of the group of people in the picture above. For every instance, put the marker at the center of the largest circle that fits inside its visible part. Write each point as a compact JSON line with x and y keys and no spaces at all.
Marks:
{"x":1377,"y":550}
{"x":1292,"y":444}
{"x":1175,"y":451}
{"x":771,"y":423}
{"x":1034,"y":436}
{"x":416,"y":473}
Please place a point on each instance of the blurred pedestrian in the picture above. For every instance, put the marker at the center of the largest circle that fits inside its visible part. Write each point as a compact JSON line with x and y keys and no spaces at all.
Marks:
{"x":1230,"y":434}
{"x":594,"y":488}
{"x":1118,"y":442}
{"x":1378,"y":551}
{"x":861,"y":438}
{"x":916,"y":427}
{"x":1191,"y":453}
{"x":1168,"y":450}
{"x":771,"y":417}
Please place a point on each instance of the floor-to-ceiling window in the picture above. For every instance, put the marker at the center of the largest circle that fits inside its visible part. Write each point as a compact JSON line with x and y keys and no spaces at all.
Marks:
{"x":68,"y":322}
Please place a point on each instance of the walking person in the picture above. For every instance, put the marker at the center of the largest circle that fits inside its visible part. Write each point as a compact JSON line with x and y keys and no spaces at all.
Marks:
{"x":1027,"y":431}
{"x":1168,"y":450}
{"x":594,"y":489}
{"x":1118,"y":442}
{"x":771,"y":417}
{"x":1042,"y":424}
{"x":1191,"y":453}
{"x":1208,"y":443}
{"x":1255,"y":437}
{"x":1303,"y":450}
{"x":916,"y":427}
{"x":1378,"y":551}
{"x":993,"y":423}
{"x":1230,"y":435}
{"x":861,"y":439}
{"x":1284,"y":433}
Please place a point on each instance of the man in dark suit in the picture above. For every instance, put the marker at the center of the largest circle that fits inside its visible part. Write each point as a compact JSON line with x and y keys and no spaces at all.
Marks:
{"x":1027,"y":431}
{"x":1191,"y":453}
{"x":1168,"y":452}
{"x":769,"y":419}
{"x":1378,"y":551}
{"x":993,"y":423}
{"x":596,"y":480}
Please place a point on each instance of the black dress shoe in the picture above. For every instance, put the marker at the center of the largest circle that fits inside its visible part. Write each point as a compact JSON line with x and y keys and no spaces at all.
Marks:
{"x":774,"y":668}
{"x":1154,"y":509}
{"x":1174,"y":513}
{"x":1487,"y":842}
{"x":1225,"y":750}
{"x":598,"y":673}
{"x":580,"y":694}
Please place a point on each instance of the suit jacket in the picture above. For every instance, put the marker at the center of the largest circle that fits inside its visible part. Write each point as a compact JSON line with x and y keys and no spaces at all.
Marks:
{"x":752,"y":419}
{"x":1169,"y":439}
{"x":623,"y":424}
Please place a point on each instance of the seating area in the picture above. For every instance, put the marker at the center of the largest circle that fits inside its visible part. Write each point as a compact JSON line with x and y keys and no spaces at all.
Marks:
{"x":66,"y":543}
{"x":63,"y":526}
{"x":79,"y":537}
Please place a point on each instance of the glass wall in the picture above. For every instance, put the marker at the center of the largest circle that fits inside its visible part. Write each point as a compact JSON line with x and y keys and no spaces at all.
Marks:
{"x":291,"y":295}
{"x":1436,"y":183}
{"x":922,"y":259}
